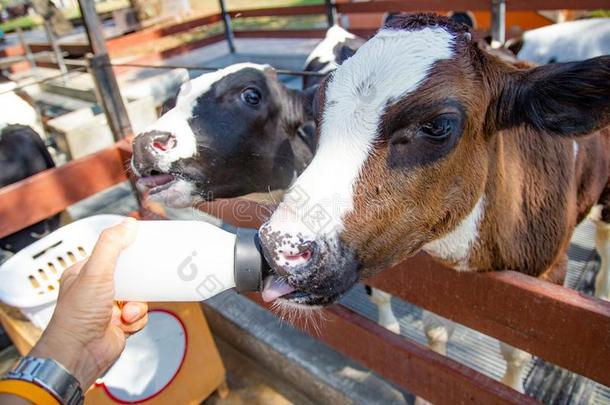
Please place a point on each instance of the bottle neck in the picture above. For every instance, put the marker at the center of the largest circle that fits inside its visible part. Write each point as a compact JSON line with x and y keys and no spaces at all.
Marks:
{"x":250,"y":266}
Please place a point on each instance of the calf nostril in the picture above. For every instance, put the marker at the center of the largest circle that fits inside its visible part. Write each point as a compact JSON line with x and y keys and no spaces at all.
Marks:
{"x":164,"y":142}
{"x":295,"y":257}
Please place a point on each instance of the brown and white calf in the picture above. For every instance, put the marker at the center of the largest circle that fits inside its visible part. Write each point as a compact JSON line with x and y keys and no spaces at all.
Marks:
{"x":427,"y":142}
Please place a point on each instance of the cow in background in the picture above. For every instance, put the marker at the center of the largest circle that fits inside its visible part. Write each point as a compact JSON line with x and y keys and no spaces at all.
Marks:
{"x":21,"y":111}
{"x":230,"y":133}
{"x":564,"y":42}
{"x":23,"y":154}
{"x":338,"y":45}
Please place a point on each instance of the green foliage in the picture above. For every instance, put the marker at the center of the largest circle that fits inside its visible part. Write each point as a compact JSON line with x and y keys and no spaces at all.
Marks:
{"x":599,"y":13}
{"x":26,"y":23}
{"x":212,"y":5}
{"x":280,"y":23}
{"x":29,"y":22}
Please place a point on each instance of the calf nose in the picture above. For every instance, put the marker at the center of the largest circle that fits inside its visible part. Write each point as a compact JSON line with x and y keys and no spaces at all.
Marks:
{"x":293,"y":259}
{"x":288,"y":255}
{"x":147,"y":148}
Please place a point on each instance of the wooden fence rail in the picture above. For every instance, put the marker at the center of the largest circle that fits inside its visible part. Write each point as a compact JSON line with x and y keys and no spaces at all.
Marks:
{"x":51,"y":191}
{"x":557,"y":324}
{"x":406,"y":363}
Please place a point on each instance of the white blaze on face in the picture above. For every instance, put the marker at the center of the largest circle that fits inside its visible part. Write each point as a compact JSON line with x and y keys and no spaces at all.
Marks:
{"x":176,"y":121}
{"x":385,"y":69}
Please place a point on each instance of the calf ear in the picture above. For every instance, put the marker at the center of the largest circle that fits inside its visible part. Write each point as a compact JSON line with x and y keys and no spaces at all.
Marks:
{"x":567,"y":99}
{"x":307,"y":134}
{"x":345,"y":53}
{"x":168,"y":104}
{"x":311,"y":100}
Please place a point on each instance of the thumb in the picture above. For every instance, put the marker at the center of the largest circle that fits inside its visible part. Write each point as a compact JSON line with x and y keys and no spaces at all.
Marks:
{"x":108,"y":247}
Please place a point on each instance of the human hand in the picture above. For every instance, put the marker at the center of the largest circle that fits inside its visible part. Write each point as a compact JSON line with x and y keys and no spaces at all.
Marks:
{"x":89,"y":330}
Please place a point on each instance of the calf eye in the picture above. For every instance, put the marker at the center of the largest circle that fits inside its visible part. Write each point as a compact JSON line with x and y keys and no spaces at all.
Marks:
{"x":251,"y":96}
{"x":440,"y":128}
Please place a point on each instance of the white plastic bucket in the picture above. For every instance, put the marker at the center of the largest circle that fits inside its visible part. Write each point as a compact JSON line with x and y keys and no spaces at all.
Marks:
{"x":29,"y":280}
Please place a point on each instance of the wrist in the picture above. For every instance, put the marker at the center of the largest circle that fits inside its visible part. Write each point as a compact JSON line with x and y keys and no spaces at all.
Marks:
{"x":70,"y":355}
{"x":42,"y":381}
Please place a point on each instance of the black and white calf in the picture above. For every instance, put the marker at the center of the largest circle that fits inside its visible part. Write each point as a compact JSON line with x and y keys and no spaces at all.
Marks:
{"x":23,"y":154}
{"x":337,"y":46}
{"x":232,"y":132}
{"x":564,"y":42}
{"x":21,"y":112}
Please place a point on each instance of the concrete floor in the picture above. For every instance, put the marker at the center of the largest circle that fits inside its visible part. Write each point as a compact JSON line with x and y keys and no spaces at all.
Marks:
{"x":279,"y":53}
{"x":250,"y":384}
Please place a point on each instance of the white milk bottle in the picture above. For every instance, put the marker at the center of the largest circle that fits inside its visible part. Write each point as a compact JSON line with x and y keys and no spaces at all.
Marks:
{"x":188,"y":261}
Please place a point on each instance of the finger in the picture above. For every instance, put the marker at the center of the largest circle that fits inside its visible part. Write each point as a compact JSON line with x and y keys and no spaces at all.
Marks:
{"x":133,"y":311}
{"x":135,"y":326}
{"x":108,"y":247}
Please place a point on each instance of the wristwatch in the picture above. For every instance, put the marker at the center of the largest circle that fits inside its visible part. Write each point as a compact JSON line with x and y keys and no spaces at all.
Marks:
{"x":50,"y":375}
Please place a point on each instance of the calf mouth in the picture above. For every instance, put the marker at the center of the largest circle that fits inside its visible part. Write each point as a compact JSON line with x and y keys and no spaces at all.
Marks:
{"x":173,"y":188}
{"x":278,"y":289}
{"x":317,"y":282}
{"x":156,"y":182}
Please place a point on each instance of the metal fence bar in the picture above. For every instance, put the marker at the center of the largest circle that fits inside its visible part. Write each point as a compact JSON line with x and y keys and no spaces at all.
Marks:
{"x":286,"y":72}
{"x":41,"y":81}
{"x":226,"y":19}
{"x":106,"y":85}
{"x":498,"y":21}
{"x":331,"y":12}
{"x":105,"y":82}
{"x":55,"y":47}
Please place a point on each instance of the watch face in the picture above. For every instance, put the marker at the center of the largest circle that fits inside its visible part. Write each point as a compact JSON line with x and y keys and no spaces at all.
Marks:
{"x":151,"y":360}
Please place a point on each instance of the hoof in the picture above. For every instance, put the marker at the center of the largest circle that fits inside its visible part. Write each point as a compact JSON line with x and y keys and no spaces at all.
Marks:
{"x":392,"y":326}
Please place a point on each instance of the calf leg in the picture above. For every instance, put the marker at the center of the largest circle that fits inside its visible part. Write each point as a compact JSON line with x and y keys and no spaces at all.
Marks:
{"x":516,"y":361}
{"x":602,"y":243}
{"x":438,"y":331}
{"x":383,"y":301}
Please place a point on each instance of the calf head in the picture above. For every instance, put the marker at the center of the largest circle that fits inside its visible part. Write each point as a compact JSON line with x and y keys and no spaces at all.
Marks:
{"x":231,"y":132}
{"x":405,"y":127}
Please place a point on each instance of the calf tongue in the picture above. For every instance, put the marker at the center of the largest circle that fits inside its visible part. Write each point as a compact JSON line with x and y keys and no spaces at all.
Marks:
{"x":155,"y":181}
{"x":274,"y":288}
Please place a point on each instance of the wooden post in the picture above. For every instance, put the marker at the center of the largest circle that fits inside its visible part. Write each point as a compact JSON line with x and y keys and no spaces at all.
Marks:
{"x":99,"y":66}
{"x":498,"y":22}
{"x":331,"y":12}
{"x":226,"y":19}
